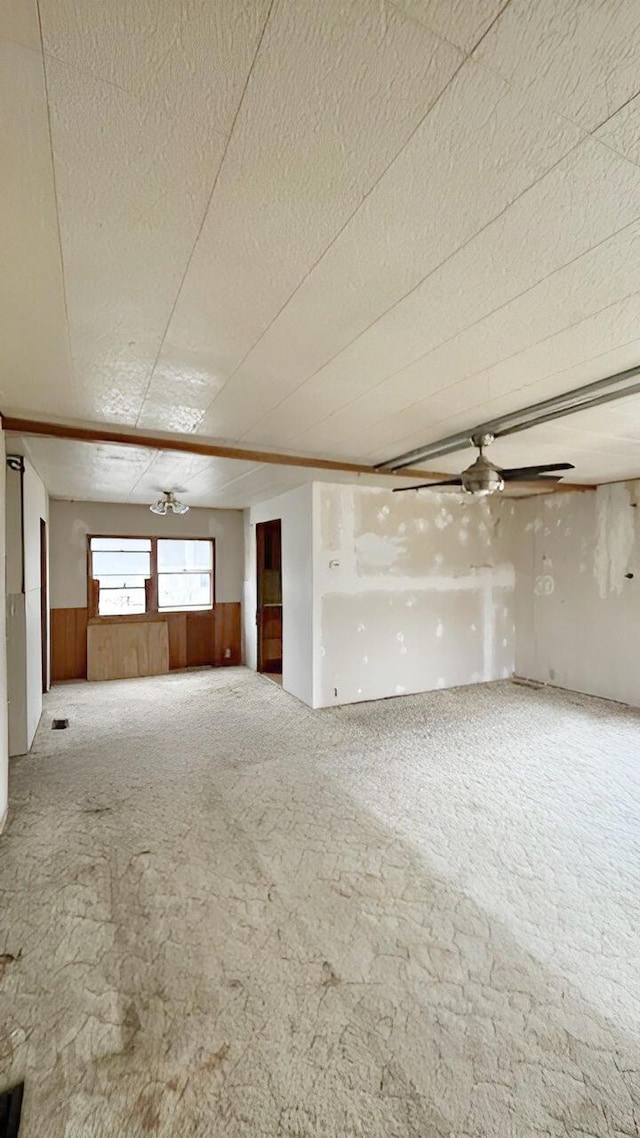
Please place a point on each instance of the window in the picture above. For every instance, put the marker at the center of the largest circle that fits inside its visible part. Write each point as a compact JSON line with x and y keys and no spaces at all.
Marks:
{"x":185,"y":575}
{"x":122,"y":566}
{"x":133,"y":575}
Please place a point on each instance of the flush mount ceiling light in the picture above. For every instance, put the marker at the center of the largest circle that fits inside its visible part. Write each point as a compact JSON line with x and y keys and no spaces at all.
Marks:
{"x":169,"y":504}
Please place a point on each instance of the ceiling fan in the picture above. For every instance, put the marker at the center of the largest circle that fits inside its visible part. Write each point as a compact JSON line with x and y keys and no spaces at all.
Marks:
{"x":484,"y":477}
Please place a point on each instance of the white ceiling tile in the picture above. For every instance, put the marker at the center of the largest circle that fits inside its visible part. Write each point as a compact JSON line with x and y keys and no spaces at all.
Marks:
{"x":462,"y":168}
{"x":35,"y":363}
{"x":134,"y":172}
{"x":600,"y":345}
{"x":84,"y":470}
{"x":170,"y":470}
{"x":579,"y":55}
{"x":98,"y":472}
{"x":177,"y":401}
{"x":589,"y":195}
{"x":462,"y":22}
{"x":399,"y":238}
{"x":171,"y":54}
{"x":121,"y":43}
{"x":336,"y":92}
{"x":591,"y":283}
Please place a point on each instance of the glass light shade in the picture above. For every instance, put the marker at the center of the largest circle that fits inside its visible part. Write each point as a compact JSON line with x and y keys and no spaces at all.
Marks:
{"x":168,"y":504}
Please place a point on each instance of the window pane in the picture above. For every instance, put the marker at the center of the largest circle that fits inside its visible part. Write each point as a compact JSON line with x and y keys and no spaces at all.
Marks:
{"x":187,"y":556}
{"x":119,"y":602}
{"x":184,"y":590}
{"x":123,"y":564}
{"x":121,"y":581}
{"x":131,"y":544}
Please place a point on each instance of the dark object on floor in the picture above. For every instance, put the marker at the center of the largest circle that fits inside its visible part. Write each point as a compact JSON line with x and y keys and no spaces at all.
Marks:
{"x":59,"y":724}
{"x":10,"y":1108}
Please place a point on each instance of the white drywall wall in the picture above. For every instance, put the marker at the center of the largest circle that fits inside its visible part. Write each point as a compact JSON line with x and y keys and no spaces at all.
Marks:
{"x":577,"y":611}
{"x":27,"y":504}
{"x":36,"y":507}
{"x":411,"y":592}
{"x":16,"y":644}
{"x":71,"y":522}
{"x":295,"y":510}
{"x":4,"y":729}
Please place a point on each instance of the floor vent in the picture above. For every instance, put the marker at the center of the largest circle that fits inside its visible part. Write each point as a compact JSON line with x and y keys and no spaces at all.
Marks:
{"x":57,"y":725}
{"x":10,"y":1108}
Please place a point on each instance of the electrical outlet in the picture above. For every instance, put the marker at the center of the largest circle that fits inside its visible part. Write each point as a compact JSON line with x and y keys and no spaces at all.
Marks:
{"x":227,"y":653}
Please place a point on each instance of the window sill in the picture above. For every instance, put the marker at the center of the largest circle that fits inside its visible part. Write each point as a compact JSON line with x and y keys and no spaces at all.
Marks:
{"x":142,"y":617}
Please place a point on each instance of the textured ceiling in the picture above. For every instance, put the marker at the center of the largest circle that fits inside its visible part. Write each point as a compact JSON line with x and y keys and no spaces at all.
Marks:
{"x":339,"y":229}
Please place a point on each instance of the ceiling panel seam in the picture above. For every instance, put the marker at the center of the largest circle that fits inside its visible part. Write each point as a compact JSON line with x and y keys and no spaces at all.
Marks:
{"x":206,"y":209}
{"x":613,"y":149}
{"x":591,"y":132}
{"x":549,"y":103}
{"x":89,"y":74}
{"x":239,"y":477}
{"x":55,"y":195}
{"x":461,"y":331}
{"x":611,"y":116}
{"x":424,"y":24}
{"x":143,"y":473}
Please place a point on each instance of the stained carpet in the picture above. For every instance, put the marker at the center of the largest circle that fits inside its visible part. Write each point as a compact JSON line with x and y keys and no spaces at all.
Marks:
{"x":225,"y":914}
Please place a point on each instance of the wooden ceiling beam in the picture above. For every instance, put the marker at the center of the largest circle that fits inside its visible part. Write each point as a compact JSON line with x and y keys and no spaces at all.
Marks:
{"x":99,"y":434}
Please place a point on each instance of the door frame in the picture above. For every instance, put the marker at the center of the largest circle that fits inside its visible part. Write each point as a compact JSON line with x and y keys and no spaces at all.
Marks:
{"x":261,"y":531}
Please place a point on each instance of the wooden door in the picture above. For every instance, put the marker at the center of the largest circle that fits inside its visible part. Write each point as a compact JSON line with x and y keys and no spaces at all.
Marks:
{"x":269,"y":595}
{"x":44,"y":605}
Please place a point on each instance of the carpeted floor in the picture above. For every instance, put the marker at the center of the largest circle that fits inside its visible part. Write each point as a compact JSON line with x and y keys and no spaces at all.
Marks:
{"x":224,"y":914}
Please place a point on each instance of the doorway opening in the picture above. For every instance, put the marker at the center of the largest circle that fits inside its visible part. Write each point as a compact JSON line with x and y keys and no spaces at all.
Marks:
{"x":44,"y":605}
{"x":269,"y":598}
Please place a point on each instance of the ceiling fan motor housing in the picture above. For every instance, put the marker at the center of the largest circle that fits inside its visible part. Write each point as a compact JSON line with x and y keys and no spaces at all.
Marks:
{"x":482,"y":478}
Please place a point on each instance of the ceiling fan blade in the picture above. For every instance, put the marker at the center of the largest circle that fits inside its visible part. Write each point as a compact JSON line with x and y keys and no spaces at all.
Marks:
{"x":550,"y":479}
{"x":428,"y":485}
{"x":529,"y":472}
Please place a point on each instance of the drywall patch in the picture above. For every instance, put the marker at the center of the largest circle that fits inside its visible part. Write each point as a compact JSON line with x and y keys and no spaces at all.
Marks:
{"x":331,"y":522}
{"x":544,"y":585}
{"x":375,"y":552}
{"x":615,"y":533}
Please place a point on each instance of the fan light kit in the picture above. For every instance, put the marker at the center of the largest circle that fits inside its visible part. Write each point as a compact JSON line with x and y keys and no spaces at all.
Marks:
{"x":169,"y":504}
{"x":483,"y":477}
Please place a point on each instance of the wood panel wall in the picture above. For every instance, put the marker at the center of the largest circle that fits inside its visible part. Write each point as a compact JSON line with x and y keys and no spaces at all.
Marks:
{"x":122,"y":651}
{"x":68,"y":644}
{"x":195,"y":638}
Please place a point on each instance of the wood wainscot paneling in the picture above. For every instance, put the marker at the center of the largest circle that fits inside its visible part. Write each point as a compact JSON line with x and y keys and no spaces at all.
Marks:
{"x":195,"y":639}
{"x":200,"y":638}
{"x":119,"y":650}
{"x":177,"y":622}
{"x":215,"y":637}
{"x":68,"y":644}
{"x":227,"y":634}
